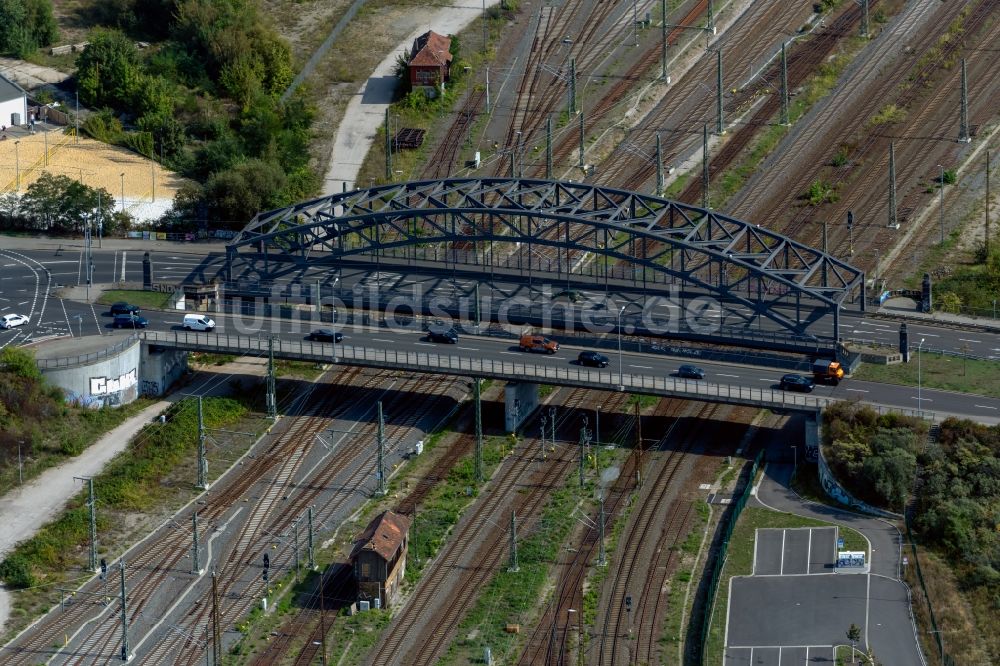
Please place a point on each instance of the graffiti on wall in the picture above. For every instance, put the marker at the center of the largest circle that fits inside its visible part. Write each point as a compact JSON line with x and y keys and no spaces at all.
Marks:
{"x":108,"y":385}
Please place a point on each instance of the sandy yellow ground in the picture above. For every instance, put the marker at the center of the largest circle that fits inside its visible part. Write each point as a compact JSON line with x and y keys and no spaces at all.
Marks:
{"x":96,"y":164}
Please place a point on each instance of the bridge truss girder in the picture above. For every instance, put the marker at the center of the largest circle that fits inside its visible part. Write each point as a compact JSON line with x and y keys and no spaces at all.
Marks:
{"x":751,"y":270}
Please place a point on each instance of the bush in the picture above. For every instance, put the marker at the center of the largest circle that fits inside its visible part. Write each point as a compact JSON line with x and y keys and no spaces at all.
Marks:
{"x":26,"y":25}
{"x":16,"y":572}
{"x":821,"y":192}
{"x":20,"y":362}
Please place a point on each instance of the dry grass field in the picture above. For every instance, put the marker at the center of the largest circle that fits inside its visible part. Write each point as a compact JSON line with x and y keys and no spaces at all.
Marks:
{"x":94,"y":163}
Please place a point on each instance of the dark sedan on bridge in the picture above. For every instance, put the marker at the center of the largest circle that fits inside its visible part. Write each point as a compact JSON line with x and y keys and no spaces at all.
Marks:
{"x":593,"y":359}
{"x":793,"y":382}
{"x":690,"y":372}
{"x":325,"y":335}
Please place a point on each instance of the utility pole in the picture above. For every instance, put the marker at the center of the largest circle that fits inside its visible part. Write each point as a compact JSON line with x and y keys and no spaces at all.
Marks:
{"x":963,"y":126}
{"x":541,"y":440}
{"x":638,"y":447}
{"x":388,"y":150}
{"x":572,"y":86}
{"x":202,"y":461}
{"x":864,"y":19}
{"x":941,"y":201}
{"x":719,"y":125}
{"x":548,"y":147}
{"x":584,"y":441}
{"x":487,"y":90}
{"x":216,"y":624}
{"x":485,"y":41}
{"x":92,"y":503}
{"x":711,"y":18}
{"x":784,"y":86}
{"x":512,"y":566}
{"x":659,"y":167}
{"x":272,"y":406}
{"x":295,"y":544}
{"x":195,"y":558}
{"x":893,"y":221}
{"x":582,"y":164}
{"x":987,"y":236}
{"x":322,"y":618}
{"x":704,"y":167}
{"x":380,"y":470}
{"x":310,"y":542}
{"x":477,"y":393}
{"x":602,"y":557}
{"x":663,"y":42}
{"x":125,"y":648}
{"x":850,"y":231}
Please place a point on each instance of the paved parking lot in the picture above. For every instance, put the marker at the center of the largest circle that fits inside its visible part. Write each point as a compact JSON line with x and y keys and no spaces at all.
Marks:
{"x":794,"y":608}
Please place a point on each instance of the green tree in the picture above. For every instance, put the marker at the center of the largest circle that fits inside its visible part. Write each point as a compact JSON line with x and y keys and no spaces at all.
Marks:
{"x":20,"y":362}
{"x":951,"y":302}
{"x":63,"y":205}
{"x":236,"y":195}
{"x":853,"y":635}
{"x":109,"y":70}
{"x":26,"y":25}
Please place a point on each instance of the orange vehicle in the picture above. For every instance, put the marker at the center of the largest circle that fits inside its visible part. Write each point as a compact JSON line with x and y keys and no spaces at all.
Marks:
{"x":538,"y":343}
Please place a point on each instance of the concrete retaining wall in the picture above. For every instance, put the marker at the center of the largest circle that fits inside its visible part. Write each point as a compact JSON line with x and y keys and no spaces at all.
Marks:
{"x":832,"y":487}
{"x":159,"y":369}
{"x":105,"y":382}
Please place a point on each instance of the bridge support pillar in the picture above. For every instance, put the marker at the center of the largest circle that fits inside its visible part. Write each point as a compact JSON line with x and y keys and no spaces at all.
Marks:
{"x":159,"y":369}
{"x":520,"y":400}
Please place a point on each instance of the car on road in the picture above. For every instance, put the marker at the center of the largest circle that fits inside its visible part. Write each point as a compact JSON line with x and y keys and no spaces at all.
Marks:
{"x":121,"y":307}
{"x":593,"y":359}
{"x":325,"y":335}
{"x":13,"y":320}
{"x":193,"y":322}
{"x":129,"y":321}
{"x":793,"y":382}
{"x":537,"y":343}
{"x":442,"y":333}
{"x":690,"y":372}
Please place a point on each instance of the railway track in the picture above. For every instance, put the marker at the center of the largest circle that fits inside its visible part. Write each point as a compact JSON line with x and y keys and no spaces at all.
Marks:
{"x":148,"y":565}
{"x":470,"y":556}
{"x":358,"y":451}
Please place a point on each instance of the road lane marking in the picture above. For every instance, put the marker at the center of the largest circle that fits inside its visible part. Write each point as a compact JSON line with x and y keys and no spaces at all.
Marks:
{"x":511,"y":353}
{"x":383,"y":340}
{"x":423,"y":344}
{"x":644,"y":367}
{"x":985,"y":407}
{"x":929,"y":335}
{"x":978,"y":342}
{"x":720,"y":374}
{"x":857,"y":390}
{"x":913,"y":397}
{"x":468,"y":348}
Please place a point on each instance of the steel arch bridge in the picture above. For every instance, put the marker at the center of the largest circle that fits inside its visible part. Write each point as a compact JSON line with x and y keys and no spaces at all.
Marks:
{"x":555,"y":229}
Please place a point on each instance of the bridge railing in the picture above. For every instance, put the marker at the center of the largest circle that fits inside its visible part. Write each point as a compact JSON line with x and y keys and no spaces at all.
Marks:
{"x":607,"y":380}
{"x":485,"y":367}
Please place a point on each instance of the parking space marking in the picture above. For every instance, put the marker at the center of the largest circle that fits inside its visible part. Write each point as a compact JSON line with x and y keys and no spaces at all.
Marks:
{"x":809,"y":550}
{"x":781,"y":569}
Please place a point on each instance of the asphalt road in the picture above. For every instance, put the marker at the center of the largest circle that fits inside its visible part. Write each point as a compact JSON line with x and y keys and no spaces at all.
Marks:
{"x":67,"y":267}
{"x":26,"y":279}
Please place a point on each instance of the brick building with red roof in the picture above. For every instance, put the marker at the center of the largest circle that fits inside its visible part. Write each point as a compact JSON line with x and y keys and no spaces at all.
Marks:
{"x":430,"y":62}
{"x":379,"y":557}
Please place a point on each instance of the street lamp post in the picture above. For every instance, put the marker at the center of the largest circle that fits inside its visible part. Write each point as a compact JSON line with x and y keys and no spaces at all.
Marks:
{"x":920,"y":406}
{"x":621,"y":373}
{"x":17,"y":165}
{"x":123,"y":191}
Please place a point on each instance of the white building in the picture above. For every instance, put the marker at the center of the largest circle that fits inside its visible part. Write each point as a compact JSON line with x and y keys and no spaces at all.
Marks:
{"x":13,"y":103}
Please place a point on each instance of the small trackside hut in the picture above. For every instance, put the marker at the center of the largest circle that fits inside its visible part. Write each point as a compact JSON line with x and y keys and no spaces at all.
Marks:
{"x":429,"y":66}
{"x":378,"y":558}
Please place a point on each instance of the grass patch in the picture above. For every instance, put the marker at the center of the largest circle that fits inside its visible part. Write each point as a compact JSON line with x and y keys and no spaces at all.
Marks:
{"x":673,"y":629}
{"x":298,"y":369}
{"x":644,"y":401}
{"x":939,"y":371}
{"x":511,"y":597}
{"x":739,"y":562}
{"x":147,"y":300}
{"x":205,"y":358}
{"x":442,"y":508}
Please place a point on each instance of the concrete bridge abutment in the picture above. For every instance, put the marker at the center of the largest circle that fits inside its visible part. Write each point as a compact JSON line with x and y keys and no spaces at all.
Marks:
{"x":520,"y":401}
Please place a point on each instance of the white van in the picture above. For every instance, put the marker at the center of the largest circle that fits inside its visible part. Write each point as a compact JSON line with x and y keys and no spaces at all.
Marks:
{"x":195,"y":322}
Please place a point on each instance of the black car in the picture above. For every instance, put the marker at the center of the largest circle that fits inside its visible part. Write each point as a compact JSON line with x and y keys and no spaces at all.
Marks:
{"x":129,"y":321}
{"x":593,"y":359}
{"x":325,"y":335}
{"x":690,"y":372}
{"x":793,"y":382}
{"x":121,"y":307}
{"x":445,"y":334}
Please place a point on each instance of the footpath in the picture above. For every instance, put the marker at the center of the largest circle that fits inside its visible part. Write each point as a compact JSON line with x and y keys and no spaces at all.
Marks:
{"x":892,"y":632}
{"x":25,"y":509}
